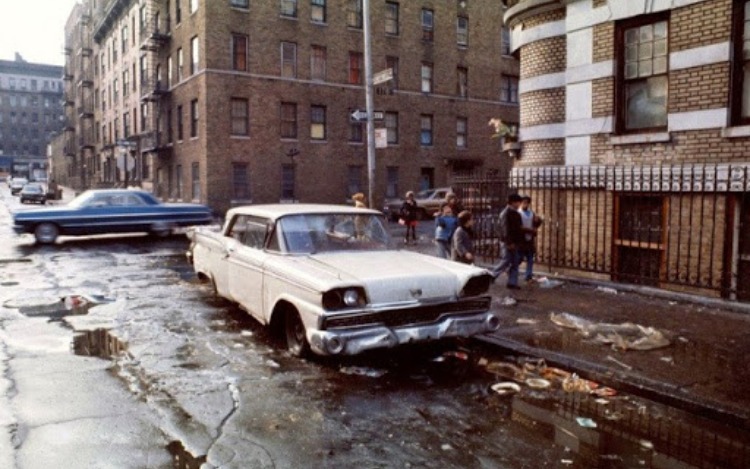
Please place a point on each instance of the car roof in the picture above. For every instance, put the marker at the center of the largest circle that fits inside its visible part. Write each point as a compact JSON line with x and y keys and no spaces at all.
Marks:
{"x":275,"y":211}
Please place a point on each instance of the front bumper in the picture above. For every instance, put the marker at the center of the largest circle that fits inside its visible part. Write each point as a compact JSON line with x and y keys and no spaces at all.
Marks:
{"x":357,"y":340}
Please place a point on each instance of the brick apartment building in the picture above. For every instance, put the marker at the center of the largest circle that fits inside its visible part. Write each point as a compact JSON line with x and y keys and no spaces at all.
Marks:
{"x":235,"y":101}
{"x":30,"y":113}
{"x":635,"y":133}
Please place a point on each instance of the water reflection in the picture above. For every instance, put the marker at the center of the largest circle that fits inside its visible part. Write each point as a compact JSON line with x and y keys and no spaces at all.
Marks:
{"x":98,"y":343}
{"x":182,"y":459}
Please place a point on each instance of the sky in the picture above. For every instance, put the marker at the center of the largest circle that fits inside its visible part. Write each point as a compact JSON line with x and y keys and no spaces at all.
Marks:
{"x":34,"y":28}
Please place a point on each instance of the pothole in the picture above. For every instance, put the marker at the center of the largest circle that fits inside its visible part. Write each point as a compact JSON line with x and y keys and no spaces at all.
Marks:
{"x":182,"y":459}
{"x":98,"y":343}
{"x":55,"y":308}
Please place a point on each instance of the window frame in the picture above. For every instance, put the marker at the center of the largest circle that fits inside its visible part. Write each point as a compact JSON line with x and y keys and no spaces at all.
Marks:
{"x":460,"y":133}
{"x":195,"y":181}
{"x":354,"y":14}
{"x":738,"y":63}
{"x":356,"y":58}
{"x":321,"y":7}
{"x":430,"y":131}
{"x":428,"y":30}
{"x":194,"y":118}
{"x":462,"y":82}
{"x":286,"y":61}
{"x":509,"y":85}
{"x":316,"y":111}
{"x":430,"y":80}
{"x":393,"y":22}
{"x":243,"y":119}
{"x":240,"y":57}
{"x":391,"y":130}
{"x":620,"y":81}
{"x":288,"y":8}
{"x":194,"y":54}
{"x":242,"y":4}
{"x":318,"y":62}
{"x":243,"y":182}
{"x":462,"y":32}
{"x":291,"y":123}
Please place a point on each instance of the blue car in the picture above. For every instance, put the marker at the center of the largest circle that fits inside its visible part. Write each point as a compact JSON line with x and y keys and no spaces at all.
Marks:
{"x":110,"y":211}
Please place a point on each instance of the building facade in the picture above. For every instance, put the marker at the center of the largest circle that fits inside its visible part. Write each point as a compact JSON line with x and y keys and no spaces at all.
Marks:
{"x":634,"y":138}
{"x":30,"y":112}
{"x":231,"y":102}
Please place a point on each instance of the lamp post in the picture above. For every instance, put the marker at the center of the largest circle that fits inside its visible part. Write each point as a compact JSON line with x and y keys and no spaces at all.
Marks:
{"x":369,"y":105}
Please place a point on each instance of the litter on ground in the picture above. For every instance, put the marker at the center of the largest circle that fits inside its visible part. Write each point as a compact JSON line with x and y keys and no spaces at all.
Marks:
{"x":625,"y":336}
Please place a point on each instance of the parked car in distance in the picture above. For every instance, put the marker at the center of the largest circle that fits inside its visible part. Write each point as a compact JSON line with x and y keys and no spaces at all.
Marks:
{"x":428,"y":201}
{"x":105,"y":211}
{"x":16,"y":184}
{"x":326,"y":279}
{"x":33,"y":192}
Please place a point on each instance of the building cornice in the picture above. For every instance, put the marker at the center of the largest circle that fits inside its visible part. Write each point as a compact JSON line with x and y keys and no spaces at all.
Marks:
{"x":112,"y":13}
{"x":527,"y":8}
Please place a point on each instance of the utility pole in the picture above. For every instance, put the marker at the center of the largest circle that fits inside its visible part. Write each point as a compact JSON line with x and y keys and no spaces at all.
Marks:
{"x":369,"y":105}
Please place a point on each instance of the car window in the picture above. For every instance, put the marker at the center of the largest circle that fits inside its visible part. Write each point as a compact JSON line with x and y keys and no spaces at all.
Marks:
{"x":238,"y":228}
{"x":255,"y":233}
{"x":315,"y":233}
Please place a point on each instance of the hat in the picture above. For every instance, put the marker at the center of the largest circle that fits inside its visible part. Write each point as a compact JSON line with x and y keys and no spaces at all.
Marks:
{"x":514,"y":198}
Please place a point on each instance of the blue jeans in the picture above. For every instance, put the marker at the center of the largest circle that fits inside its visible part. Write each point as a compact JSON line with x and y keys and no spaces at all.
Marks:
{"x":504,"y":263}
{"x":527,"y":255}
{"x":443,"y":249}
{"x":508,"y":263}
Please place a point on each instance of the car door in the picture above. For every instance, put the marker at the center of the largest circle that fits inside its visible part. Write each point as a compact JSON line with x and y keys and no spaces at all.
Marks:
{"x":246,"y":264}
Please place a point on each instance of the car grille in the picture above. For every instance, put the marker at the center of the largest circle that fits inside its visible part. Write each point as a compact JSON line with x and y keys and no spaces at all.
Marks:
{"x":408,"y":316}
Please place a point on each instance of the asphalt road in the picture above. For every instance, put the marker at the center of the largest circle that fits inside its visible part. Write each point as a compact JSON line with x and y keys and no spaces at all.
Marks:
{"x":161,"y":368}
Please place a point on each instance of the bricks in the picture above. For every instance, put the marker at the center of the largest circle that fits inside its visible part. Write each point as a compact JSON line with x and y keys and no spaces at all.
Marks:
{"x":542,"y":153}
{"x":604,"y":42}
{"x":543,"y":107}
{"x":543,"y":57}
{"x":700,"y":24}
{"x":602,"y":97}
{"x":698,"y":88}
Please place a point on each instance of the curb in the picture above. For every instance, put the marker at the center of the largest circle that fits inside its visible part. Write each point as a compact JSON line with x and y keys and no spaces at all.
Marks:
{"x":631,"y":383}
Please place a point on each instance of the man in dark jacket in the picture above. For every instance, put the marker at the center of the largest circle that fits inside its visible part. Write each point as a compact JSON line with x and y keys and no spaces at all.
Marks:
{"x":511,"y":235}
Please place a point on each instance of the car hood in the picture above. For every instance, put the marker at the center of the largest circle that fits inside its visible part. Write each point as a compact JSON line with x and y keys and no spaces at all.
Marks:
{"x":387,"y":276}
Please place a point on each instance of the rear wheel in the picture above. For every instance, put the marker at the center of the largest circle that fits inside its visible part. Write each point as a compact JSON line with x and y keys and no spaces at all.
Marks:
{"x":296,"y":339}
{"x":46,"y":233}
{"x":161,"y":229}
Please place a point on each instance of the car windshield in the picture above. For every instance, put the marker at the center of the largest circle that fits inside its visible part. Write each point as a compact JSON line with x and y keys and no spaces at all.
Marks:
{"x":114,"y":198}
{"x":32,"y":188}
{"x":425,"y":194}
{"x":316,"y":233}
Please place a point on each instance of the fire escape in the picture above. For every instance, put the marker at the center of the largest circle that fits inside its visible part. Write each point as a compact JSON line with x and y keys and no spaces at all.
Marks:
{"x":155,"y":37}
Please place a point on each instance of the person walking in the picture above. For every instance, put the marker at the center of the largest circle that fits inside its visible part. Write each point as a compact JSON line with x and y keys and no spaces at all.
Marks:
{"x":531,"y":223}
{"x":409,"y":213}
{"x":463,"y":239}
{"x":445,"y":226}
{"x":508,"y":261}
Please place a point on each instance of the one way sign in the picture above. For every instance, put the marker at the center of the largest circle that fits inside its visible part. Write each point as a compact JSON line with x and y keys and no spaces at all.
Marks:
{"x":359,"y":115}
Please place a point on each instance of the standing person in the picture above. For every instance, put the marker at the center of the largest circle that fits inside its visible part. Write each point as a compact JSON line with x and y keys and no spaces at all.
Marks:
{"x":445,"y":226}
{"x":408,"y":214}
{"x":514,"y":203}
{"x":463,"y":239}
{"x":452,"y":199}
{"x":531,"y":223}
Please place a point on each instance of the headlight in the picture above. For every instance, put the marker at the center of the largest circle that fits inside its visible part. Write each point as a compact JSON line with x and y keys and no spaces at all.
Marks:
{"x":477,"y":285}
{"x":341,"y":298}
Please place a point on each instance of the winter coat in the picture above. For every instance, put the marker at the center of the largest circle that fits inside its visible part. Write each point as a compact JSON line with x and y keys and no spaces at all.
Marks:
{"x":409,"y":211}
{"x":463,"y":243}
{"x":445,"y":227}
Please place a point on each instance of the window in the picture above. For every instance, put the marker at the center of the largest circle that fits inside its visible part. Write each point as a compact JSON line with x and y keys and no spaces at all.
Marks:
{"x":115,"y":90}
{"x":391,"y":18}
{"x":462,"y":31}
{"x":180,"y":63}
{"x":288,"y":8}
{"x":177,"y":11}
{"x":170,"y":136}
{"x":193,"y":5}
{"x":240,"y":181}
{"x":170,"y":71}
{"x":287,"y":182}
{"x":353,"y":180}
{"x":428,"y":24}
{"x":462,"y":82}
{"x":125,"y":83}
{"x":180,"y":129}
{"x":391,"y":188}
{"x":505,"y":41}
{"x":426,"y":77}
{"x":288,"y":120}
{"x":392,"y":63}
{"x":643,"y":69}
{"x":318,"y":63}
{"x":196,"y":181}
{"x":144,"y":116}
{"x":461,"y":133}
{"x":356,"y":132}
{"x":124,"y":39}
{"x":240,"y":125}
{"x":239,"y":52}
{"x":240,"y":3}
{"x":740,"y":99}
{"x":354,"y":14}
{"x":317,"y":122}
{"x":194,"y":118}
{"x":318,"y":11}
{"x":178,"y":181}
{"x":425,"y":125}
{"x":355,"y":68}
{"x":508,"y":89}
{"x":194,"y":52}
{"x":126,"y":125}
{"x":288,"y":59}
{"x":391,"y":125}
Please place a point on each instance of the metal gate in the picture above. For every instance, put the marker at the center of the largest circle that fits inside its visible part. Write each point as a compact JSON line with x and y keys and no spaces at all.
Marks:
{"x":743,"y":267}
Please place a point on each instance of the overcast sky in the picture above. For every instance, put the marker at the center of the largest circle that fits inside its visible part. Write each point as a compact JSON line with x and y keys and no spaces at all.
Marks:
{"x":34,"y":28}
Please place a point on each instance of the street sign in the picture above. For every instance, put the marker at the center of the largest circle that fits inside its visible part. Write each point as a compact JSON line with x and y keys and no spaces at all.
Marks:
{"x":382,"y":76}
{"x":381,"y":138}
{"x":125,"y":143}
{"x":359,"y":115}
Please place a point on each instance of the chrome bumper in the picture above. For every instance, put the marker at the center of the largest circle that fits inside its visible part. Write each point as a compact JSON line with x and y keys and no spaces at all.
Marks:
{"x":357,"y":340}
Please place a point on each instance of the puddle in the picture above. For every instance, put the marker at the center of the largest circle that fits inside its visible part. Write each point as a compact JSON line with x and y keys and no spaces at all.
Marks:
{"x":72,"y":305}
{"x":628,"y":433}
{"x":98,"y":343}
{"x":182,"y":459}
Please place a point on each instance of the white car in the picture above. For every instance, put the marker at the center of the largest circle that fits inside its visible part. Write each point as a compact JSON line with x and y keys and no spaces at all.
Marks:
{"x":326,"y":279}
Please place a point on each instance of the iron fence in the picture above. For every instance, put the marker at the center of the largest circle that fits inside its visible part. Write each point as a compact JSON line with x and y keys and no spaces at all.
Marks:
{"x":679,"y":226}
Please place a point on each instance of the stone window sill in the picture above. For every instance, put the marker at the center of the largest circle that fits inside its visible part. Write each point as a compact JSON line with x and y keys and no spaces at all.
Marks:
{"x":655,"y":137}
{"x":736,"y":132}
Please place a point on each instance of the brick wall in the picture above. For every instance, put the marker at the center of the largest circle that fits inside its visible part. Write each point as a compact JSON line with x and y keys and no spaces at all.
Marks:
{"x":604,"y":42}
{"x":543,"y":107}
{"x":547,"y":17}
{"x":602,"y":97}
{"x":698,"y":88}
{"x":700,"y":24}
{"x":543,"y":57}
{"x":542,"y":153}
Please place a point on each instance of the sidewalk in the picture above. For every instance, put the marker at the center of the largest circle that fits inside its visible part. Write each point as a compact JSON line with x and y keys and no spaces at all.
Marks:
{"x":703,"y":369}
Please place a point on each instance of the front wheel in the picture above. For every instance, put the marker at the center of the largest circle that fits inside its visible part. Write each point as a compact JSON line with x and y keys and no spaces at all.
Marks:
{"x":46,"y":233}
{"x":296,"y":339}
{"x":161,"y":229}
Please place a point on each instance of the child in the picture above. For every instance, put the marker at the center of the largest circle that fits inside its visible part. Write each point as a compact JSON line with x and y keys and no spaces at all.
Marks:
{"x":445,"y":225}
{"x":409,"y":215}
{"x":463,"y":239}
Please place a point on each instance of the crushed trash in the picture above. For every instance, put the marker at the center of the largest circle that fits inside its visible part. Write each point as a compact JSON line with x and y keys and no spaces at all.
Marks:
{"x":505,"y":388}
{"x":544,"y":282}
{"x":538,"y":383}
{"x":567,"y":462}
{"x":618,"y":362}
{"x":507,"y":370}
{"x":602,"y":401}
{"x":526,"y":321}
{"x":575,"y":383}
{"x":508,"y":301}
{"x":585,"y":422}
{"x":246,"y":333}
{"x":625,"y":336}
{"x":669,"y":360}
{"x":363,"y":371}
{"x":608,"y":290}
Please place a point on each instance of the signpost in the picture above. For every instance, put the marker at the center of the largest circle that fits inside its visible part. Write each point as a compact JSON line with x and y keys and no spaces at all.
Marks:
{"x":361,"y":116}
